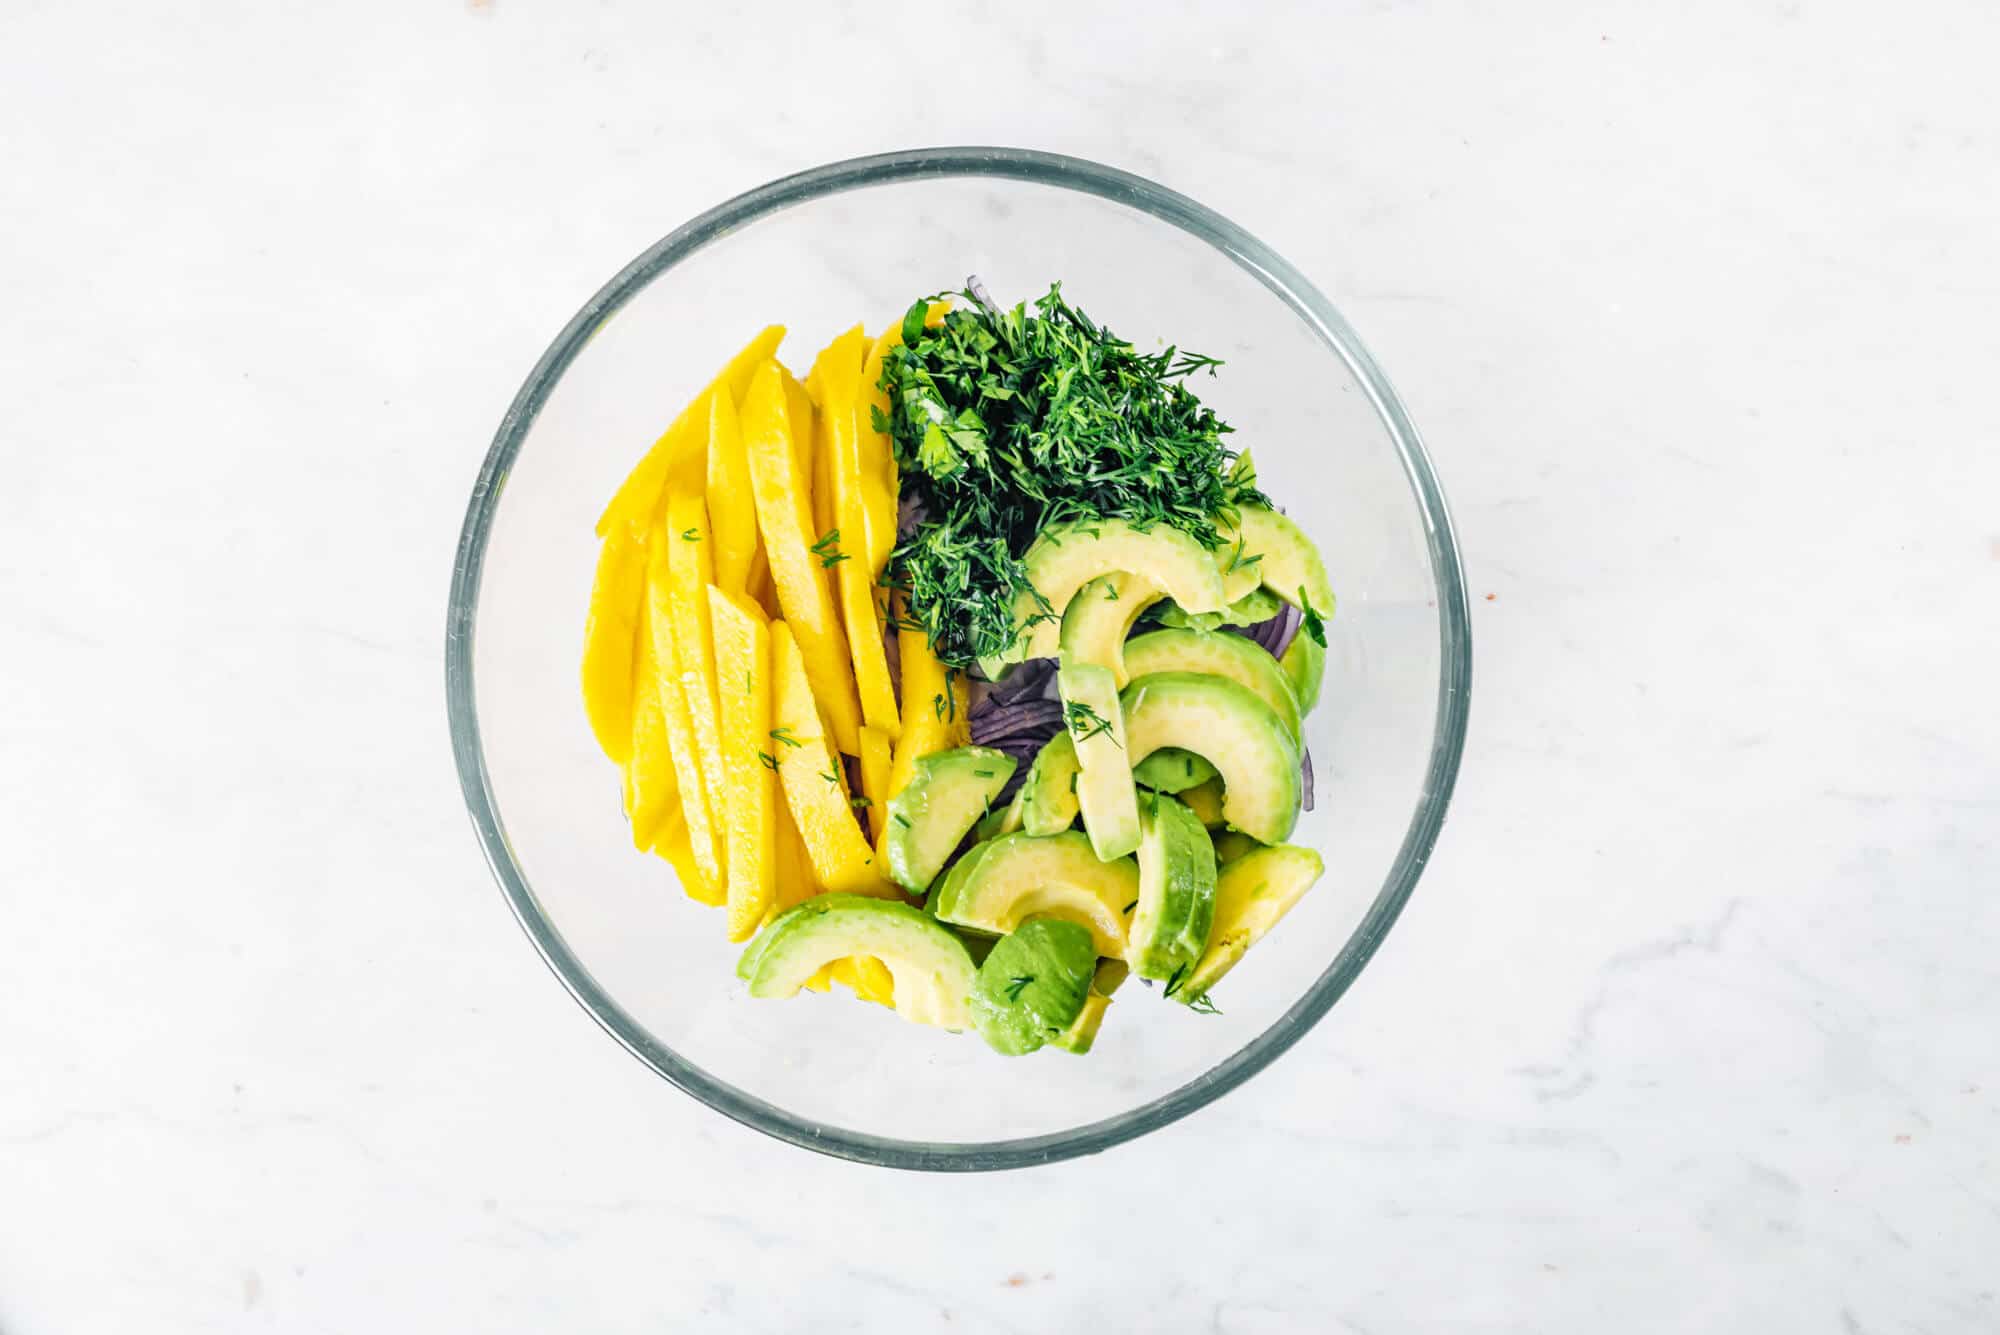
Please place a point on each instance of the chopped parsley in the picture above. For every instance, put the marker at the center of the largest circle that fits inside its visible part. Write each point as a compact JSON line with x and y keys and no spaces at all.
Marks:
{"x":1008,"y":422}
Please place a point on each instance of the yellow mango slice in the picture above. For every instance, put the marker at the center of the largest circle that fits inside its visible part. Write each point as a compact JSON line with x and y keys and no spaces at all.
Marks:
{"x":867,"y":977}
{"x":688,"y":542}
{"x":876,"y":474}
{"x":822,"y":980}
{"x":674,"y":846}
{"x":934,"y":705}
{"x":638,"y":497}
{"x":732,"y":514}
{"x":854,"y":579}
{"x":811,"y":775}
{"x":796,"y":881}
{"x":698,"y":804}
{"x":877,"y":757}
{"x":772,"y":410}
{"x":838,"y":363}
{"x":652,"y":790}
{"x":610,"y":643}
{"x":747,"y":811}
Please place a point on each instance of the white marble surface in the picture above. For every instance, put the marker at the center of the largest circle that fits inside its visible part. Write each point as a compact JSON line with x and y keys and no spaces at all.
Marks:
{"x":1692,"y":1024}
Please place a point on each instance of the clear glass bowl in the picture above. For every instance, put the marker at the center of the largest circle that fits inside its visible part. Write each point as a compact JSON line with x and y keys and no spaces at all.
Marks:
{"x":859,"y":240}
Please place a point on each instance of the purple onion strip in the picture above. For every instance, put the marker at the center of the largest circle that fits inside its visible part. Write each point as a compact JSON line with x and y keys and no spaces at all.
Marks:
{"x":1306,"y":779}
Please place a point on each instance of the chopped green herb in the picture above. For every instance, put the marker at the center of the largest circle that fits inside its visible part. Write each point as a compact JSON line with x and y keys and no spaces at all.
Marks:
{"x":1174,"y":982}
{"x":1008,"y":422}
{"x":1201,"y":1005}
{"x":1315,"y":624}
{"x":1018,"y":985}
{"x":983,"y":773}
{"x":1111,"y":593}
{"x":1238,"y":561}
{"x":690,"y":535}
{"x":767,"y":760}
{"x":1129,"y":907}
{"x":830,"y":777}
{"x":902,"y":820}
{"x":859,"y":802}
{"x":1084,"y":722}
{"x":827,"y":551}
{"x":785,"y":735}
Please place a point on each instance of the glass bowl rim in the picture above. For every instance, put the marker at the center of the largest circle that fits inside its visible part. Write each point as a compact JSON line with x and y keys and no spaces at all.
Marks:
{"x":1284,"y":282}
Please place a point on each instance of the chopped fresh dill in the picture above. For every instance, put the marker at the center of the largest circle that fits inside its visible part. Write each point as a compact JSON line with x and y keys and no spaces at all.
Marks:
{"x":1174,"y":982}
{"x":902,"y":820}
{"x":1201,"y":1005}
{"x":767,"y":760}
{"x":1008,"y":422}
{"x":690,"y":535}
{"x":1111,"y":593}
{"x":785,"y":735}
{"x":1084,"y":722}
{"x":830,"y":777}
{"x":827,"y":549}
{"x":859,"y":802}
{"x":1129,"y":907}
{"x":1315,"y":624}
{"x":1017,"y":985}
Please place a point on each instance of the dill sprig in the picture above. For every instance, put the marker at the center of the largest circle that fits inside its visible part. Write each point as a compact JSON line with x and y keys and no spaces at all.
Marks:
{"x":1006,"y":422}
{"x":1084,"y":722}
{"x":1017,"y":985}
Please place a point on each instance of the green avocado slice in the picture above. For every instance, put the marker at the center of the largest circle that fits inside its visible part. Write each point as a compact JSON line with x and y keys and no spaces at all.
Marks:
{"x":1260,"y":604}
{"x":947,"y":794}
{"x":1170,"y":926}
{"x":1104,"y":790}
{"x":1101,"y":616}
{"x":1083,"y":1030}
{"x":1172,"y":770}
{"x":1021,"y":876}
{"x":1033,"y":986}
{"x":1234,"y":730}
{"x":1221,"y":654}
{"x":1251,"y":895}
{"x":1068,"y":556}
{"x":932,"y":970}
{"x":1048,"y":796}
{"x":1291,"y":567}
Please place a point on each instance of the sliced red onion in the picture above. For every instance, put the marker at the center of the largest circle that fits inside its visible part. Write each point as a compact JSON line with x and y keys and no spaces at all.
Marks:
{"x":1306,"y":779}
{"x":1026,"y":679}
{"x":1029,"y":716}
{"x":1274,"y":636}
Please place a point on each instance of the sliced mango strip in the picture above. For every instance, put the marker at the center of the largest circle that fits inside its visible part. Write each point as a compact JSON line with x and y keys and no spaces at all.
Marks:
{"x":731,"y":511}
{"x":934,"y":705}
{"x":773,"y":410}
{"x":877,"y":757}
{"x":867,"y":977}
{"x":638,"y":496}
{"x":688,"y":543}
{"x":748,"y":808}
{"x":698,"y":804}
{"x":652,"y":791}
{"x":812,"y":779}
{"x":673,"y":845}
{"x":855,"y":578}
{"x":610,"y":643}
{"x":796,"y":881}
